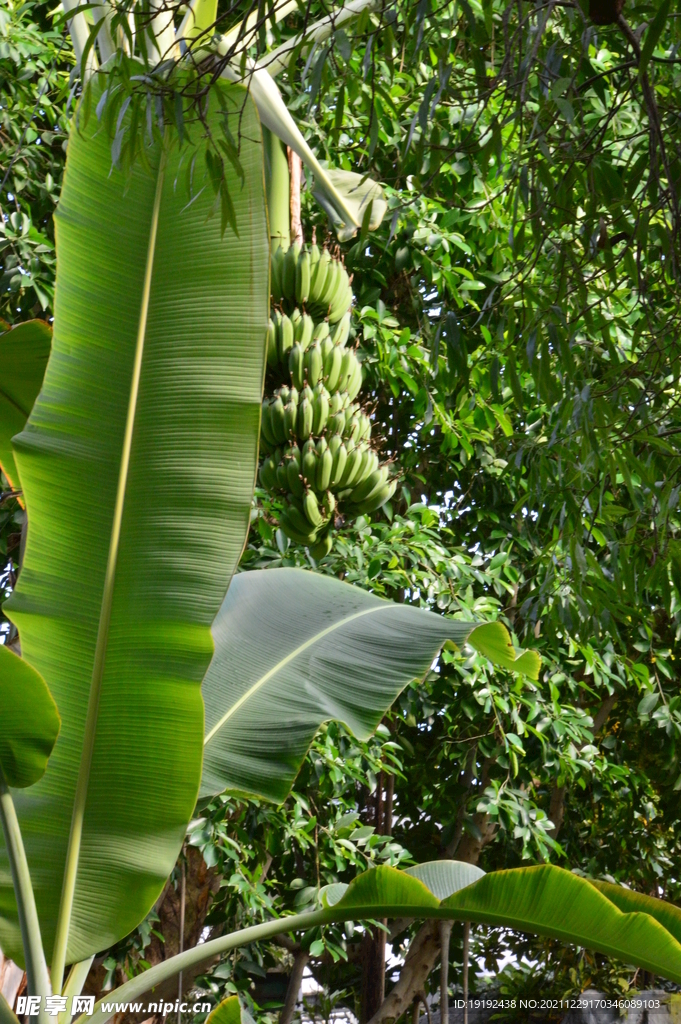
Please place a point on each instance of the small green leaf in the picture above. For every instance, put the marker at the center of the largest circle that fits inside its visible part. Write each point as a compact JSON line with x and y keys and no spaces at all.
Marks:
{"x":30,"y":721}
{"x":652,"y":36}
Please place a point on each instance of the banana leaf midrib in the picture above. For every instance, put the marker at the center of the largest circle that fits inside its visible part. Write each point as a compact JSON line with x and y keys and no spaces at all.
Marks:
{"x":104,"y":624}
{"x":281,"y":664}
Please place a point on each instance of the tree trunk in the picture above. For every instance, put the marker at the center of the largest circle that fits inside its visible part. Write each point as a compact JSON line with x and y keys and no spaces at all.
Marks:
{"x":445,"y":936}
{"x":295,"y":981}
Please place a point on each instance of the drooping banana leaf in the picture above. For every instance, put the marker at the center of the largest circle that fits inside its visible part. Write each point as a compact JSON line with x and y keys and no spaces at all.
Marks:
{"x":551,"y":901}
{"x":627,"y":900}
{"x":138,"y":465}
{"x":24,"y":351}
{"x":30,"y":722}
{"x":544,"y":900}
{"x":294,"y":649}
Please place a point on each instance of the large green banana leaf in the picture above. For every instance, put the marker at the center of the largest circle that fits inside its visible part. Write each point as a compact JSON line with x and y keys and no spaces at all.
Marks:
{"x":294,"y":649}
{"x":138,"y":465}
{"x":30,"y":722}
{"x":24,"y":351}
{"x":628,"y":901}
{"x":544,"y":900}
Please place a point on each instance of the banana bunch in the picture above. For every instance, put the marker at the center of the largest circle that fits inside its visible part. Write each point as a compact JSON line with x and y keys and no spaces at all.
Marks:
{"x":316,"y":439}
{"x":310,"y":279}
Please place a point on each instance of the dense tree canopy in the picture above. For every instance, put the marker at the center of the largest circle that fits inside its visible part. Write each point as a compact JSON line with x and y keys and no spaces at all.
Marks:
{"x":517,"y":319}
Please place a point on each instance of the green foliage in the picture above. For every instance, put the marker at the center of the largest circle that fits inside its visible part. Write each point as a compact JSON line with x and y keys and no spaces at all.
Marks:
{"x":30,"y":722}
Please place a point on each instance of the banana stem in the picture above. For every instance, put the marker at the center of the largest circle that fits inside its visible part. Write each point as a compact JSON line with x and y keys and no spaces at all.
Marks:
{"x":37,"y":978}
{"x":277,"y":185}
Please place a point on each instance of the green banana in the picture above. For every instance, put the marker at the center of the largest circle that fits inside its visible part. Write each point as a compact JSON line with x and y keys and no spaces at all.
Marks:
{"x":314,"y":260}
{"x":378,"y":498}
{"x":337,"y":401}
{"x":294,"y":479}
{"x":372,"y":482}
{"x":296,"y":365}
{"x":268,"y":475}
{"x":294,"y":453}
{"x":364,"y":427}
{"x":282,"y":477}
{"x":306,"y":331}
{"x":319,"y":277}
{"x":265,"y":425}
{"x":303,"y":277}
{"x":321,"y":331}
{"x":324,"y":465}
{"x":336,"y":423}
{"x":290,"y":418}
{"x":305,"y":418}
{"x":342,"y":300}
{"x":342,"y":330}
{"x":355,"y":382}
{"x":299,"y":518}
{"x":309,"y":463}
{"x":284,"y":338}
{"x":339,"y":454}
{"x":347,"y":365}
{"x":276,"y":273}
{"x":290,"y":528}
{"x":313,"y":364}
{"x":288,"y":278}
{"x":272,"y":354}
{"x":311,"y":509}
{"x":321,"y":409}
{"x":352,"y":465}
{"x":278,"y":420}
{"x":352,"y":429}
{"x":332,"y":368}
{"x":322,"y":548}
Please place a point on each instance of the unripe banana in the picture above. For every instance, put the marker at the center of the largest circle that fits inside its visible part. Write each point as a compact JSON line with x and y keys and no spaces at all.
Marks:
{"x":321,"y":409}
{"x":324,"y":470}
{"x":331,"y":285}
{"x":295,"y":525}
{"x":303,"y":277}
{"x":329,"y":504}
{"x":372,"y":482}
{"x":265,"y":424}
{"x":268,"y":475}
{"x":355,"y":383}
{"x":305,"y":419}
{"x":282,"y":477}
{"x":277,"y":420}
{"x":314,"y":259}
{"x":284,"y":338}
{"x":332,"y":368}
{"x":311,"y":509}
{"x":321,"y":331}
{"x":290,"y":418}
{"x":272,"y":354}
{"x":337,"y":402}
{"x":364,"y":427}
{"x":319,"y":277}
{"x":277,"y":264}
{"x":352,"y":466}
{"x":288,"y":278}
{"x":297,"y":321}
{"x":313,"y":364}
{"x":296,"y":365}
{"x":378,"y":498}
{"x":342,"y":301}
{"x":322,"y":548}
{"x":340,"y":456}
{"x":347,"y":365}
{"x":352,"y":429}
{"x":309,"y":463}
{"x":336,"y":423}
{"x":342,"y":330}
{"x":294,"y":454}
{"x":326,"y":347}
{"x":306,"y":331}
{"x":294,"y":478}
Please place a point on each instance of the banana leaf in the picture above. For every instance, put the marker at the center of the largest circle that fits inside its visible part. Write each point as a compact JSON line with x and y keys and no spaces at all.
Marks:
{"x":294,"y":649}
{"x":24,"y":351}
{"x":30,"y":722}
{"x":544,"y":900}
{"x":138,"y":464}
